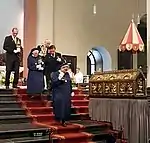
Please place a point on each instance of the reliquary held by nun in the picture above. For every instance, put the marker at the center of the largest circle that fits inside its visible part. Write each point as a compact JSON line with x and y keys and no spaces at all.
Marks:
{"x":121,"y":83}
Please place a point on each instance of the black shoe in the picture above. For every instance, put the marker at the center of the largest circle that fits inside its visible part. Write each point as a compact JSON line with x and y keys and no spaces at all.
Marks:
{"x":63,"y":124}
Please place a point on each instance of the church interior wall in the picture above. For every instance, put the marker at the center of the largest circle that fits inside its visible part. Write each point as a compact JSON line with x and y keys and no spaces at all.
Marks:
{"x":74,"y":29}
{"x":12,"y":16}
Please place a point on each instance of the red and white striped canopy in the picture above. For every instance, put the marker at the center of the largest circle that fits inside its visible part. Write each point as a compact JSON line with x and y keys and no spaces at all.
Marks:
{"x":132,"y":39}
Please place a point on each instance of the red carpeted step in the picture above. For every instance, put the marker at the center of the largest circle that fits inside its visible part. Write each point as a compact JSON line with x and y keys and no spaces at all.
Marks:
{"x":40,"y":110}
{"x":73,"y":137}
{"x":48,"y":110}
{"x":26,"y":97}
{"x":79,"y":97}
{"x":80,"y":102}
{"x":35,"y":104}
{"x":80,"y":116}
{"x":58,"y":128}
{"x":50,"y":117}
{"x":77,"y":91}
{"x":24,"y":91}
{"x":21,"y":91}
{"x":81,"y":109}
{"x":44,"y":117}
{"x":75,"y":103}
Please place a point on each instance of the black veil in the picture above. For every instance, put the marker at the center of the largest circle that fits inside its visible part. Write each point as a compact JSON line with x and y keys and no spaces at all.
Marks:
{"x":30,"y":54}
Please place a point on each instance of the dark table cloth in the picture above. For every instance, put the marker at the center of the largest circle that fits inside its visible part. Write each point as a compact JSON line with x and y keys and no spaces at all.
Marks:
{"x":131,"y":114}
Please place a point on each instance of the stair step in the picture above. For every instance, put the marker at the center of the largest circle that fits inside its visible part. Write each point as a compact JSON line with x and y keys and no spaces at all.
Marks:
{"x":6,"y":91}
{"x":22,"y":130}
{"x":11,"y":111}
{"x":40,"y":110}
{"x":44,"y":139}
{"x":77,"y":103}
{"x":58,"y":128}
{"x":73,"y":137}
{"x":79,"y":97}
{"x":80,"y":102}
{"x":48,"y":110}
{"x":50,"y":117}
{"x":25,"y":97}
{"x":93,"y":125}
{"x":21,"y":91}
{"x":79,"y":116}
{"x":7,"y":97}
{"x":14,"y":119}
{"x":81,"y":109}
{"x":9,"y":104}
{"x":35,"y":104}
{"x":105,"y":135}
{"x":101,"y":131}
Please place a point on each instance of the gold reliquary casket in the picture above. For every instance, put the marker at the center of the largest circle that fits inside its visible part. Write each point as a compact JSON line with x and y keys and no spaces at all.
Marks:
{"x":121,"y":83}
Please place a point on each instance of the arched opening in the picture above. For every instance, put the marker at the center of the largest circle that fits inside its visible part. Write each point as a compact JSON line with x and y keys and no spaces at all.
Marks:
{"x":98,"y":59}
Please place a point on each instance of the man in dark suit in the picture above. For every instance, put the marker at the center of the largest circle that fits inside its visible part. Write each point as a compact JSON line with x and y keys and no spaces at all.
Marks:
{"x":53,"y":60}
{"x":12,"y":46}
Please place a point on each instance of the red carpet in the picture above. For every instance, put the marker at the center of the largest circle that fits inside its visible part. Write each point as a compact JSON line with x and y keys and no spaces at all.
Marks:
{"x":42,"y":114}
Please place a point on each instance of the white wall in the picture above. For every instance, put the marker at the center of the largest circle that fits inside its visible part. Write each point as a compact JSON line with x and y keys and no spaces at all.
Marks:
{"x":44,"y":20}
{"x":74,"y":29}
{"x":11,"y":15}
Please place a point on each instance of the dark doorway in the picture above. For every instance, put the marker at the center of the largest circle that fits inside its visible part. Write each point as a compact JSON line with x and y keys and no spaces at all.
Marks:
{"x":125,"y":60}
{"x":72,"y":60}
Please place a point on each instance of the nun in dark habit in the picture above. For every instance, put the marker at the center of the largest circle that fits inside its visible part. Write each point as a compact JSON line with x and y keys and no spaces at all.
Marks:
{"x":61,"y":94}
{"x":35,"y":79}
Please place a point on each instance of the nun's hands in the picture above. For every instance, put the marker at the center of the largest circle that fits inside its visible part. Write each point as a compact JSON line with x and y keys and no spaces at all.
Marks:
{"x":61,"y":75}
{"x":39,"y":67}
{"x":72,"y":94}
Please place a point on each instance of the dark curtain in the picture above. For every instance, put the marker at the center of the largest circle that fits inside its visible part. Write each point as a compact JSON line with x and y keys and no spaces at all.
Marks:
{"x":72,"y":60}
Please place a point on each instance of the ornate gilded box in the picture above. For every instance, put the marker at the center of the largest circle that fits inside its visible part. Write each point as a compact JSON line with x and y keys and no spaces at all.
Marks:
{"x":121,"y":83}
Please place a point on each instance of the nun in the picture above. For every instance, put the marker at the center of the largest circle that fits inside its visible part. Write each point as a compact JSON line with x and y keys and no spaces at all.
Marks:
{"x":35,"y":79}
{"x":61,"y":94}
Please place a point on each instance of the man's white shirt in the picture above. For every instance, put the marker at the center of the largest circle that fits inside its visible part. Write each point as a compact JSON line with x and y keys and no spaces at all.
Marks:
{"x":79,"y":77}
{"x":15,"y":39}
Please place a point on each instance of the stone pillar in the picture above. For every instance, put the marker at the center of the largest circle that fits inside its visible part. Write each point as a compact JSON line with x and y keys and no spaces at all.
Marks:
{"x":30,"y":24}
